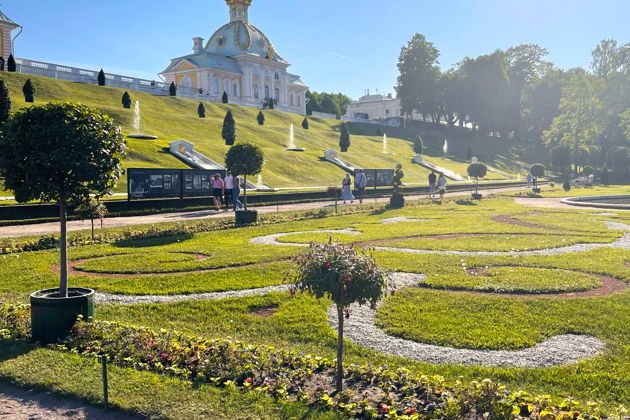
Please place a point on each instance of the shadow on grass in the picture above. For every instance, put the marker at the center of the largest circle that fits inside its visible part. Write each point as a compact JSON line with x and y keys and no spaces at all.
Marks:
{"x":465,"y":203}
{"x":153,"y":242}
{"x":13,"y":348}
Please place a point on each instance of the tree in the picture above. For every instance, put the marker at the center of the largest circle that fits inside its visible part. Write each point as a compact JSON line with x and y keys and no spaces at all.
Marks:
{"x":245,"y":159}
{"x":344,"y":138}
{"x":342,"y":274}
{"x":561,"y":158}
{"x":329,"y":106}
{"x":229,"y":129}
{"x":538,"y":171}
{"x":11,"y":64}
{"x":201,"y":110}
{"x":261,"y":118}
{"x":126,"y":100}
{"x":609,"y":57}
{"x":29,"y":91}
{"x":172,"y":89}
{"x":62,"y":153}
{"x":305,"y":125}
{"x":541,"y":102}
{"x":418,"y":145}
{"x":101,"y":78}
{"x":6,"y":106}
{"x":330,"y":103}
{"x":270,"y":104}
{"x":224,"y":98}
{"x":477,"y":170}
{"x":93,"y":209}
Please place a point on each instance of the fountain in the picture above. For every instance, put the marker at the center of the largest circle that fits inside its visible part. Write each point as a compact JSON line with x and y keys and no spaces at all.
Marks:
{"x":259,"y":182}
{"x":136,"y":125}
{"x":445,"y":147}
{"x":291,"y":146}
{"x":385,"y":143}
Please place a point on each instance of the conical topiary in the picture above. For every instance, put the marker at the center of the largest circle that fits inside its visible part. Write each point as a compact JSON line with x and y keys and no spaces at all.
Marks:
{"x":201,"y":110}
{"x":344,"y":138}
{"x":261,"y":118}
{"x":11,"y":64}
{"x":5,"y":103}
{"x":29,"y":91}
{"x":126,"y":100}
{"x":172,"y":89}
{"x":225,"y":98}
{"x":229,"y":129}
{"x":101,"y":78}
{"x":305,"y":123}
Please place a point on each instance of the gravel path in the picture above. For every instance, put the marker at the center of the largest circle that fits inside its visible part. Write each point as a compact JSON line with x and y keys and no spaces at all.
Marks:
{"x":273,"y":239}
{"x":403,"y":219}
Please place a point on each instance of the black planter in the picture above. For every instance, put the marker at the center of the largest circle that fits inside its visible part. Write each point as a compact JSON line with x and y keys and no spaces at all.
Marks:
{"x":52,"y":316}
{"x":536,"y":190}
{"x":476,"y":196}
{"x":397,"y":201}
{"x":246,"y":217}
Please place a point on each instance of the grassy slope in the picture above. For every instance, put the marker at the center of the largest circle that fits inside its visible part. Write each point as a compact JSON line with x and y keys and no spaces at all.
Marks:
{"x":174,"y":118}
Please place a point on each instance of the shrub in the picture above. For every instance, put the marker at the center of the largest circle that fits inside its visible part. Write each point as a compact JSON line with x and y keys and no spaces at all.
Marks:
{"x":126,"y":100}
{"x":418,"y":145}
{"x":477,"y":170}
{"x":172,"y":89}
{"x":101,"y":78}
{"x":340,"y":273}
{"x":11,"y":64}
{"x":201,"y":110}
{"x":260,"y":118}
{"x":229,"y":129}
{"x":305,"y":123}
{"x":29,"y":91}
{"x":6,"y":106}
{"x":225,"y":98}
{"x":344,"y":138}
{"x":245,"y":159}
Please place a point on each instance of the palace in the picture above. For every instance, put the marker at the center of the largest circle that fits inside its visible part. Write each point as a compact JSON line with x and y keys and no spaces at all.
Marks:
{"x":239,"y":60}
{"x":7,"y":26}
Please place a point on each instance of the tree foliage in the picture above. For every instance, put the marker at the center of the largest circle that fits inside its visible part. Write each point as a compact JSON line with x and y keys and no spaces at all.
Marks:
{"x":245,"y":159}
{"x":229,"y":129}
{"x":261,"y":118}
{"x":201,"y":110}
{"x":305,"y":125}
{"x":560,"y":157}
{"x":101,"y":78}
{"x":224,"y":98}
{"x":11,"y":64}
{"x":29,"y":91}
{"x":172,"y":89}
{"x":418,"y":145}
{"x":6,"y":106}
{"x":618,"y":158}
{"x":329,"y":103}
{"x":126,"y":100}
{"x":537,"y":170}
{"x":344,"y":138}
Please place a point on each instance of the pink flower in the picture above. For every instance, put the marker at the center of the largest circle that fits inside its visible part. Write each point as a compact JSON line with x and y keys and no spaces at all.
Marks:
{"x":164,"y":356}
{"x":249,"y":380}
{"x":384,"y":409}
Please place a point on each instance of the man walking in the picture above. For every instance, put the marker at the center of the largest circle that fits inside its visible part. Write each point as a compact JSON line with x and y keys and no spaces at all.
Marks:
{"x":229,"y":189}
{"x":432,"y":184}
{"x":360,"y":182}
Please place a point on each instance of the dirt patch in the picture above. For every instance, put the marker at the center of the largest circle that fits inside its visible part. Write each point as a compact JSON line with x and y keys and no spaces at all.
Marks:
{"x":265,"y":312}
{"x":511,"y":220}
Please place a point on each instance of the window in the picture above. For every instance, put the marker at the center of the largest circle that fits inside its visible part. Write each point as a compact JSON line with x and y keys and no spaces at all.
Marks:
{"x":299,"y":100}
{"x":267,"y":92}
{"x":276,"y":76}
{"x":277,"y":92}
{"x":186,"y":82}
{"x":234,"y":90}
{"x":291,"y":99}
{"x":217,"y":87}
{"x":256,"y":92}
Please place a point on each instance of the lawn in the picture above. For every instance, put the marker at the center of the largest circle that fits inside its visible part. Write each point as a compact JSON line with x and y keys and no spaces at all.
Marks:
{"x":452,"y":308}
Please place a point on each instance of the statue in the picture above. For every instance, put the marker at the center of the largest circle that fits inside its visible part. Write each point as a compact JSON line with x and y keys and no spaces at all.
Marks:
{"x":397,"y":200}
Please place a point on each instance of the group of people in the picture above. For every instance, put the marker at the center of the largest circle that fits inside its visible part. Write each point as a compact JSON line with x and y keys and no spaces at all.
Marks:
{"x":226,"y":191}
{"x":437,"y":183}
{"x":360,"y":182}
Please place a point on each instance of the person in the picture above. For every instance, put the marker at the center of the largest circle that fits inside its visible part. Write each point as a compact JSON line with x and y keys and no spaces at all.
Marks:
{"x":1,"y":63}
{"x":217,"y":190}
{"x":346,"y":189}
{"x":398,"y":176}
{"x":441,"y":184}
{"x":432,"y":184}
{"x":229,"y":187}
{"x":236,"y":191}
{"x":530,"y":179}
{"x":360,"y":182}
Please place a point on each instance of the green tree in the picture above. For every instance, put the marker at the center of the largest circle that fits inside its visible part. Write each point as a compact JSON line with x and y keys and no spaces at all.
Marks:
{"x":329,"y":106}
{"x":126,"y":100}
{"x":305,"y":125}
{"x":609,"y":57}
{"x":101,"y":78}
{"x":541,"y":102}
{"x":261,"y":118}
{"x":11,"y":64}
{"x":331,"y":103}
{"x":229,"y":129}
{"x":270,"y":104}
{"x":538,"y":171}
{"x":201,"y":110}
{"x":6,"y":106}
{"x":418,"y":145}
{"x":93,"y":209}
{"x":561,"y":158}
{"x":224,"y":98}
{"x":345,"y":276}
{"x":172,"y":89}
{"x":29,"y":91}
{"x":416,"y":86}
{"x":245,"y":159}
{"x":476,"y":171}
{"x":62,"y":153}
{"x":344,"y":138}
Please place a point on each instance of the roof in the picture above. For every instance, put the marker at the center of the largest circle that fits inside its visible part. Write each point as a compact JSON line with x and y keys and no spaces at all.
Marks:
{"x":5,"y":19}
{"x":207,"y":60}
{"x":237,"y":38}
{"x":294,"y":79}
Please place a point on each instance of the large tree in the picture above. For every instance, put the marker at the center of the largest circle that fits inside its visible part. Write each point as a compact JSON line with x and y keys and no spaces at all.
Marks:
{"x":63,"y":153}
{"x":609,"y":57}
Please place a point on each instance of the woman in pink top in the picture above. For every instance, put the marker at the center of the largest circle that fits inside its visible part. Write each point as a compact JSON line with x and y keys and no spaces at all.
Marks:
{"x":218,"y":188}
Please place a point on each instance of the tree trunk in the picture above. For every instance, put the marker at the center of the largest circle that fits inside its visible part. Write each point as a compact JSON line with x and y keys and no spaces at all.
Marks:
{"x":63,"y":244}
{"x":340,"y":349}
{"x":92,"y":221}
{"x":245,"y":192}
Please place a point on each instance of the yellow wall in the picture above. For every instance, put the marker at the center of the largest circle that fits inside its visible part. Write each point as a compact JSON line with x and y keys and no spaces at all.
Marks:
{"x":193,"y":78}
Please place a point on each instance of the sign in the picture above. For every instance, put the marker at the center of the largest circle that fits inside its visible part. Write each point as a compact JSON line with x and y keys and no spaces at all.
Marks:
{"x":164,"y":183}
{"x":379,"y":177}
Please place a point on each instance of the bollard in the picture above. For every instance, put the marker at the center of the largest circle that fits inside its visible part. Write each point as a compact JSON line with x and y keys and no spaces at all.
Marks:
{"x":105,"y":390}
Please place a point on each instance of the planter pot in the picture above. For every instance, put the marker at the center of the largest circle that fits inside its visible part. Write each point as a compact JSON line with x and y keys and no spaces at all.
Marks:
{"x":536,"y":190}
{"x":397,"y":201}
{"x":476,"y":196}
{"x":52,"y":317}
{"x":246,"y":217}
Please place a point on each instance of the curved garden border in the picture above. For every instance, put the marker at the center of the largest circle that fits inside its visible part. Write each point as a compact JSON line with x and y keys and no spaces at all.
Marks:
{"x":594,"y":201}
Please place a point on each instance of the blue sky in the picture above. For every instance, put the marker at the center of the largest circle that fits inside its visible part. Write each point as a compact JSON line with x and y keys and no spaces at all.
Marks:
{"x":336,"y":45}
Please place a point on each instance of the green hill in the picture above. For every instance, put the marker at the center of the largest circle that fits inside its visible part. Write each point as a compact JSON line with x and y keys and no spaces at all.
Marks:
{"x":173,"y":118}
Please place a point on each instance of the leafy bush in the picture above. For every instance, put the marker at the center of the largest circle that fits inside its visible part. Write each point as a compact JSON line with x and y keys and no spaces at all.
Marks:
{"x":15,"y":322}
{"x":305,"y":123}
{"x":201,"y":110}
{"x":224,"y":98}
{"x":245,"y":159}
{"x":261,"y":118}
{"x":5,"y":102}
{"x":126,"y":100}
{"x":11,"y":64}
{"x":29,"y":91}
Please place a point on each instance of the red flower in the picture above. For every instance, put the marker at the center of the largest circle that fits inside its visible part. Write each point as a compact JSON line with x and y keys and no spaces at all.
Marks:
{"x":164,"y":356}
{"x":384,"y":409}
{"x":411,"y":410}
{"x":347,"y":279}
{"x":88,"y":348}
{"x":249,"y":380}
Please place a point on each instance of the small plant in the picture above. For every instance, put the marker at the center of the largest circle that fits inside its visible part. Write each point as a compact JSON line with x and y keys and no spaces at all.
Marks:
{"x":29,"y":91}
{"x":229,"y":129}
{"x":93,"y":209}
{"x":477,"y":170}
{"x":101,"y":78}
{"x":260,"y":118}
{"x":224,"y":98}
{"x":340,"y":273}
{"x":245,"y":159}
{"x":334,"y":192}
{"x":126,"y":100}
{"x":201,"y":110}
{"x":172,"y":89}
{"x":6,"y":106}
{"x":305,"y":123}
{"x":344,"y":138}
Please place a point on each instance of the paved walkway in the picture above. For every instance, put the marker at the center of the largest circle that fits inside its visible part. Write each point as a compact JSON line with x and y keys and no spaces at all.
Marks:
{"x":53,"y":227}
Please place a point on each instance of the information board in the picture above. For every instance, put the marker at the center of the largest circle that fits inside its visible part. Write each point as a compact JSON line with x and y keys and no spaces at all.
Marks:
{"x":164,"y":183}
{"x":379,"y":177}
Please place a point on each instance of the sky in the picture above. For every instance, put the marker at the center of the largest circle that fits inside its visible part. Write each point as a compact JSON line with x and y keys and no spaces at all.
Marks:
{"x":344,"y":46}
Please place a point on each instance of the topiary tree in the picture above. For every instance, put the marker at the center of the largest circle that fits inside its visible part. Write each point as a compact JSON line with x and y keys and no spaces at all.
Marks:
{"x":225,"y":98}
{"x":172,"y":89}
{"x":6,"y":106}
{"x":342,"y":274}
{"x":560,"y":157}
{"x":469,"y":153}
{"x":29,"y":91}
{"x":305,"y":124}
{"x":477,"y":170}
{"x":418,"y":145}
{"x":93,"y":209}
{"x":201,"y":110}
{"x":344,"y":138}
{"x":261,"y":118}
{"x":538,"y":171}
{"x":245,"y":159}
{"x":101,"y":78}
{"x":126,"y":100}
{"x":229,"y":129}
{"x":62,"y":153}
{"x":11,"y":64}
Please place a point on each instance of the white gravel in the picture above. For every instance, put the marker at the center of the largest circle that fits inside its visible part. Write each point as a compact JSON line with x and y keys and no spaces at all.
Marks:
{"x":273,"y":239}
{"x":402,"y":219}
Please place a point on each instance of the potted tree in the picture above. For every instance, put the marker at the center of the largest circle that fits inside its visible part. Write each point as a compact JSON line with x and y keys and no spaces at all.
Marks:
{"x":245,"y":159}
{"x":477,"y":170}
{"x":538,"y":171}
{"x":62,"y":153}
{"x":345,"y":276}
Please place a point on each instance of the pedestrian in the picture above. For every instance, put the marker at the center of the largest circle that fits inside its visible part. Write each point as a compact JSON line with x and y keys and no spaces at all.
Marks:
{"x":1,"y":63}
{"x":229,"y":187}
{"x":432,"y":184}
{"x":217,"y":190}
{"x":441,"y":184}
{"x":360,"y":182}
{"x":530,"y":179}
{"x":236,"y":192}
{"x":346,"y":189}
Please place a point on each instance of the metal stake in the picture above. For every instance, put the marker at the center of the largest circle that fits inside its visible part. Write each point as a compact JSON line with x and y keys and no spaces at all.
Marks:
{"x":105,"y":390}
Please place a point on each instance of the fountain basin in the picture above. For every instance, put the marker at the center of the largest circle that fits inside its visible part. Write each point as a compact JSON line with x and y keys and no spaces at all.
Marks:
{"x":295,"y":149}
{"x":619,"y":202}
{"x":142,"y":137}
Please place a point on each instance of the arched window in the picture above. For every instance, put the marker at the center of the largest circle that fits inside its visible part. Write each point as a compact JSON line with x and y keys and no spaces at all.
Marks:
{"x":186,"y":82}
{"x":217,"y":86}
{"x":256,"y":91}
{"x":277,"y":93}
{"x":276,"y":76}
{"x":267,"y":92}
